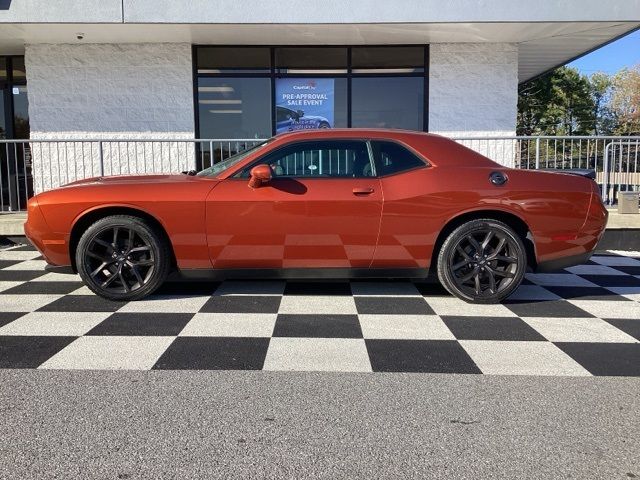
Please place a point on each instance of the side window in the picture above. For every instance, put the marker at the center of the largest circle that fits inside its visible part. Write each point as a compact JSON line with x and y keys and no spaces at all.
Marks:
{"x":331,"y":159}
{"x":393,"y":158}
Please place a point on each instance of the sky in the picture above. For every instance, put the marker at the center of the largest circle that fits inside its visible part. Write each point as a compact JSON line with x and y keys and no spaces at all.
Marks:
{"x":611,"y":58}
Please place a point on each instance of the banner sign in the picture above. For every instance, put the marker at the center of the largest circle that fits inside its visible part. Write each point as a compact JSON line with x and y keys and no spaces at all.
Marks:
{"x":304,"y":103}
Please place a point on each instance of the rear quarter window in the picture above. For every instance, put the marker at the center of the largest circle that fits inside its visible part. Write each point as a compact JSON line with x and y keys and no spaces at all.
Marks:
{"x":392,"y":158}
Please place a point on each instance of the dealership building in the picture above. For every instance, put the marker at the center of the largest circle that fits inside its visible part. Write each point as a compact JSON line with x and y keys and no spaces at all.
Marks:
{"x":241,"y":69}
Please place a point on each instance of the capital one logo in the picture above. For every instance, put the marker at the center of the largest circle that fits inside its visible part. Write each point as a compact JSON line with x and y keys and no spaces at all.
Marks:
{"x":310,"y":85}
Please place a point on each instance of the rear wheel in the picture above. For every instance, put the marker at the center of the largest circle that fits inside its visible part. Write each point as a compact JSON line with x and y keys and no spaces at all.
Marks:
{"x":123,"y":257}
{"x":482,"y":261}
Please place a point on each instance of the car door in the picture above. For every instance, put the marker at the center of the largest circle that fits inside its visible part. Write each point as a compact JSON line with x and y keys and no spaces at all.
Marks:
{"x":409,"y":223}
{"x":321,"y":209}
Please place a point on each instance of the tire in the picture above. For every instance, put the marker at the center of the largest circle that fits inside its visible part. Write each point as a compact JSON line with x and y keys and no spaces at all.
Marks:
{"x":134,"y":269}
{"x":477,"y":252}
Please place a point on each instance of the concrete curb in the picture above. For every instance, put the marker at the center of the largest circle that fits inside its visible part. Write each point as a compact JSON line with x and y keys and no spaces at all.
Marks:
{"x":12,"y":224}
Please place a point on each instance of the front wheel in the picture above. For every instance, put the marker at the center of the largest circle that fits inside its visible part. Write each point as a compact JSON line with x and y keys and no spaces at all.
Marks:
{"x":482,"y":261}
{"x":122,"y":257}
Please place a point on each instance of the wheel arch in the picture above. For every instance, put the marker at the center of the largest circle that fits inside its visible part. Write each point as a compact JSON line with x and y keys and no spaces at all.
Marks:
{"x":88,"y":217}
{"x":509,"y":218}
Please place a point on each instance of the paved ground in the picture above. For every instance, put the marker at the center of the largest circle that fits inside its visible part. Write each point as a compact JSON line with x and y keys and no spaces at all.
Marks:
{"x":583,"y":321}
{"x":207,"y":424}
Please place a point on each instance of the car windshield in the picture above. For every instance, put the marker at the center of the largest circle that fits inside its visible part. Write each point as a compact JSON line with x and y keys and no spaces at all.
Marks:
{"x":220,"y":167}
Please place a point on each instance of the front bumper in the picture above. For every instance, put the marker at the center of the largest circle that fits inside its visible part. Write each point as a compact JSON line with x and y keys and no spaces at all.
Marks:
{"x":53,"y":246}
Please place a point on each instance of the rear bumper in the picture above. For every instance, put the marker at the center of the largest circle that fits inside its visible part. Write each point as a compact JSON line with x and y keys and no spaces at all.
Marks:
{"x":578,"y":251}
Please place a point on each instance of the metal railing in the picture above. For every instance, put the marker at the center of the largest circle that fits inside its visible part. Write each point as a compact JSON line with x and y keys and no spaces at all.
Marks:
{"x":614,"y":159}
{"x":32,"y":166}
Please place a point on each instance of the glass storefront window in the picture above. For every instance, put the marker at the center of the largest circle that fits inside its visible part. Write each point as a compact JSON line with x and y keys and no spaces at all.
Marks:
{"x":234,"y":107}
{"x":3,"y":87}
{"x":13,"y":98}
{"x":20,"y":112}
{"x":387,"y":59}
{"x":234,"y":60}
{"x":17,"y":69}
{"x":255,"y":92}
{"x":3,"y":127}
{"x":15,"y":163}
{"x":387,"y":102}
{"x":306,"y":60}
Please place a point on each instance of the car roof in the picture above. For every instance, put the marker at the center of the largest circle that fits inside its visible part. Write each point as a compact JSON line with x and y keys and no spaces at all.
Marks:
{"x":354,"y":133}
{"x":437,"y":149}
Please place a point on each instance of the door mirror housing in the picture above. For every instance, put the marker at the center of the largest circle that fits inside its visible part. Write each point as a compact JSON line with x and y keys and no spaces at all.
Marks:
{"x":260,"y":175}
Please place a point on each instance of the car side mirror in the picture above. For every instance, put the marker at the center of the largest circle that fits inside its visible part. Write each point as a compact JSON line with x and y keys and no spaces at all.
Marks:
{"x":300,"y":113}
{"x":260,"y":175}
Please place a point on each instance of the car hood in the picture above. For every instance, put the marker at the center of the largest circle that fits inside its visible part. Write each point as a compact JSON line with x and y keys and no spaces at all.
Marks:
{"x":129,"y":179}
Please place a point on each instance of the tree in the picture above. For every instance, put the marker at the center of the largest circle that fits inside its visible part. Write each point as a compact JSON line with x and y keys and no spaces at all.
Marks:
{"x":601,"y":87}
{"x":625,"y":101}
{"x":533,"y":99}
{"x":558,"y":103}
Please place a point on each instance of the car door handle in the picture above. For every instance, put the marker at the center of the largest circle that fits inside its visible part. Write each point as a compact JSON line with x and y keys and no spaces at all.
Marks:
{"x":363,"y":191}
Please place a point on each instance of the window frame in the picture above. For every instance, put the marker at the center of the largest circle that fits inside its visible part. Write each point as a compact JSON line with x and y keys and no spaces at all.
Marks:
{"x":237,"y":175}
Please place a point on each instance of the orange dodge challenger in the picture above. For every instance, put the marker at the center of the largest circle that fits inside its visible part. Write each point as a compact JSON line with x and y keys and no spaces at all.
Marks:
{"x":324,"y":203}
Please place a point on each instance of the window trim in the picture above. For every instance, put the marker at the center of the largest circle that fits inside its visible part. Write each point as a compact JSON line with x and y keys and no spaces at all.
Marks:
{"x":260,"y":160}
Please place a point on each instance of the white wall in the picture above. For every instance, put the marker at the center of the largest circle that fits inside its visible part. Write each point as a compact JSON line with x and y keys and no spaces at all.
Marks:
{"x":108,"y":91}
{"x":473,"y":88}
{"x":473,"y":91}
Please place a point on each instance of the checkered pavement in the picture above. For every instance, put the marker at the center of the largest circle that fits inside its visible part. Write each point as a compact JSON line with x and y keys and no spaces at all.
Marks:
{"x":582,"y":321}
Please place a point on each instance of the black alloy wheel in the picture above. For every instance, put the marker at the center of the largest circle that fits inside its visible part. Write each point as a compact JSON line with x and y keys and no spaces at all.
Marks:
{"x":123,"y":257}
{"x":482,"y":261}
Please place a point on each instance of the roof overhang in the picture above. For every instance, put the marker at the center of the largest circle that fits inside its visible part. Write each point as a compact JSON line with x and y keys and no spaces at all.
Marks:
{"x":549,"y":34}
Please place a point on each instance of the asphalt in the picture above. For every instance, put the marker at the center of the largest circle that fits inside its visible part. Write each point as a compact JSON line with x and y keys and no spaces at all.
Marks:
{"x":226,"y":424}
